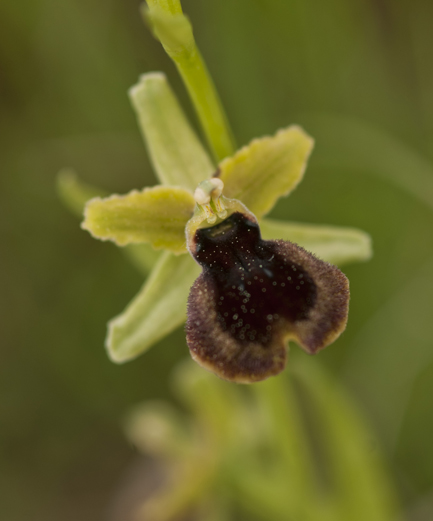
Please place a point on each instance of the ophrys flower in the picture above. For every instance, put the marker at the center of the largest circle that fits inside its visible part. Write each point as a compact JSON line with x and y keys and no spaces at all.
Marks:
{"x":288,"y":293}
{"x":246,"y":187}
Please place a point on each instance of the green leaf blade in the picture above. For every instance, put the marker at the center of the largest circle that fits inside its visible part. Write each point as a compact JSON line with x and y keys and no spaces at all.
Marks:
{"x":266,"y":169}
{"x":158,"y":309}
{"x":157,"y":215}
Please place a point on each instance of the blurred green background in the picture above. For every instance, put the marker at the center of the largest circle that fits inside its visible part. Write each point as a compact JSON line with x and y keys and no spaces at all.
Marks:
{"x":357,"y":74}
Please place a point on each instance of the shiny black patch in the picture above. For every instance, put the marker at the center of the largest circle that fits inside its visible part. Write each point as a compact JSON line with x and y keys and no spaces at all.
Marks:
{"x":255,"y":287}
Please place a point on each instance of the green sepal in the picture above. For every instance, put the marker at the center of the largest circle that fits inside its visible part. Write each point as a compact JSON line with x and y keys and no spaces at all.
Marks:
{"x":156,"y":215}
{"x":177,"y":154}
{"x":266,"y":169}
{"x":334,"y":244}
{"x":158,"y":309}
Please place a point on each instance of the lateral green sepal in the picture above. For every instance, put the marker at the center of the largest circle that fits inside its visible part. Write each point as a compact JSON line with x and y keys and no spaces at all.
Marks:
{"x":334,"y":244}
{"x":158,"y":309}
{"x":156,"y":215}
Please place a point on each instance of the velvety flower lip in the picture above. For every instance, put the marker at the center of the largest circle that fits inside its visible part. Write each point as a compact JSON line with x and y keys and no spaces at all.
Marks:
{"x":253,"y":295}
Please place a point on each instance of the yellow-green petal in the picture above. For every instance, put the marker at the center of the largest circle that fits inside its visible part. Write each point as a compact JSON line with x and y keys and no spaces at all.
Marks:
{"x":158,"y":309}
{"x":156,"y":215}
{"x":177,"y":154}
{"x":266,"y":169}
{"x":338,"y":245}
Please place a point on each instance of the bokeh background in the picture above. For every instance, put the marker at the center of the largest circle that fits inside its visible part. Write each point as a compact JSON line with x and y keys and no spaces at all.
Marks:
{"x":357,"y":74}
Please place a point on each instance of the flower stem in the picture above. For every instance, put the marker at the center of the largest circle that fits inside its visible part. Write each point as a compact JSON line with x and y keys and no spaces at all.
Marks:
{"x":174,"y":31}
{"x":169,"y":6}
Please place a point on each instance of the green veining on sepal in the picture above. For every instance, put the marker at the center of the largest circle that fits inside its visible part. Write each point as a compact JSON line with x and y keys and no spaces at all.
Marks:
{"x":158,"y":309}
{"x":156,"y":215}
{"x":173,"y":29}
{"x":266,"y":169}
{"x":335,"y":244}
{"x":177,"y":154}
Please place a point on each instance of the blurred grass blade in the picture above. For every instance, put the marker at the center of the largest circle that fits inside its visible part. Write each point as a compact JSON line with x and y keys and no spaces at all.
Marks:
{"x":156,"y":215}
{"x":266,"y":169}
{"x":355,"y":469}
{"x":213,"y":401}
{"x":281,"y":418}
{"x":175,"y":501}
{"x":173,"y":29}
{"x":158,"y":309}
{"x":333,"y":244}
{"x":346,"y":143}
{"x":177,"y":155}
{"x":397,"y":342}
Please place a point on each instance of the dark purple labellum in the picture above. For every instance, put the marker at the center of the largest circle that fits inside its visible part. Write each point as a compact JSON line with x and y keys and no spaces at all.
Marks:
{"x":254,"y":295}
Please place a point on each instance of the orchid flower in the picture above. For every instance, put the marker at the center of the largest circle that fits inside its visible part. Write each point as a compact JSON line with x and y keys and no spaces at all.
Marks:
{"x":263,"y":282}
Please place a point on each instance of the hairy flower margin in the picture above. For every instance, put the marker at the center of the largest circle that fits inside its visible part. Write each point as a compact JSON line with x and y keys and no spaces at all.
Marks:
{"x":253,"y":294}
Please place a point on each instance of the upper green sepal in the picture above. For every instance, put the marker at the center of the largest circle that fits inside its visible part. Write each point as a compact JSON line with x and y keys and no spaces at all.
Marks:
{"x":177,"y":155}
{"x":266,"y":169}
{"x":156,"y":215}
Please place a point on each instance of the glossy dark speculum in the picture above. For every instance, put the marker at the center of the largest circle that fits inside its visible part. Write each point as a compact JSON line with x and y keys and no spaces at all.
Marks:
{"x":255,"y":287}
{"x":254,"y":294}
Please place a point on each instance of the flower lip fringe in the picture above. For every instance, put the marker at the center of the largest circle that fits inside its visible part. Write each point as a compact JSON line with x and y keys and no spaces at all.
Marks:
{"x":254,"y":295}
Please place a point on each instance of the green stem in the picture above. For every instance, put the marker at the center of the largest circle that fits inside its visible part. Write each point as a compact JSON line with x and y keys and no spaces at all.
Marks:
{"x":174,"y":31}
{"x":209,"y":109}
{"x":169,"y":6}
